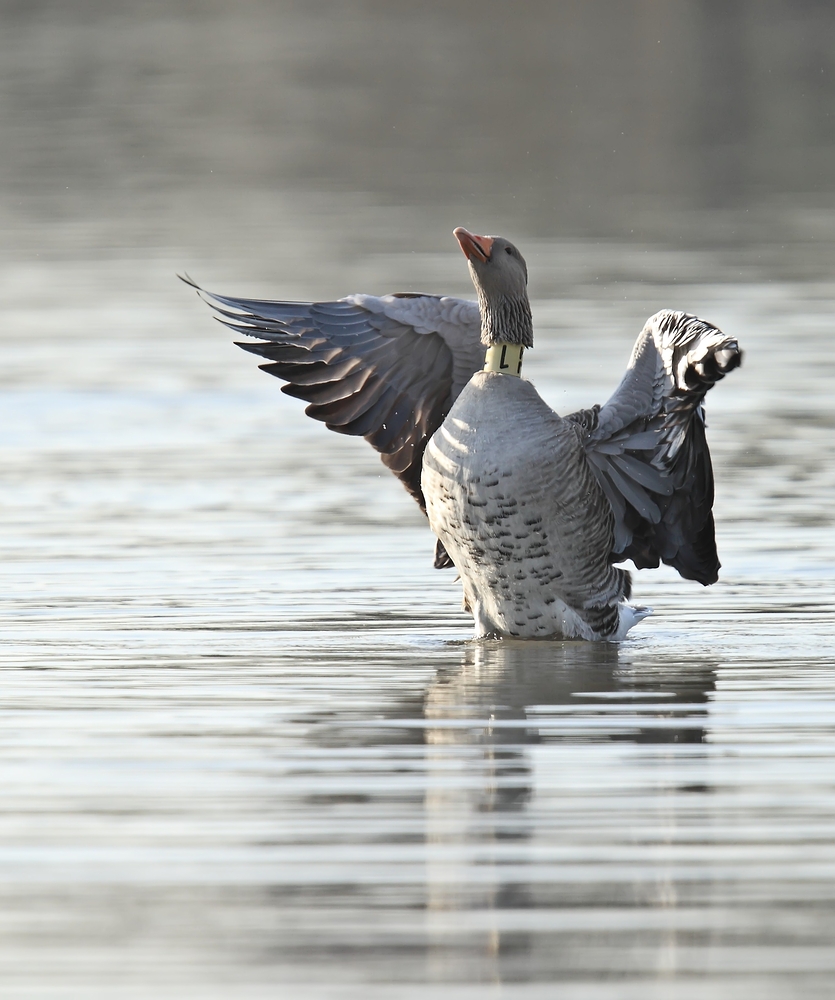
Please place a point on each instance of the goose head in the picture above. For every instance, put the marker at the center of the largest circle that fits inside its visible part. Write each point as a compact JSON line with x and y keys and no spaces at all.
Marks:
{"x":500,"y":276}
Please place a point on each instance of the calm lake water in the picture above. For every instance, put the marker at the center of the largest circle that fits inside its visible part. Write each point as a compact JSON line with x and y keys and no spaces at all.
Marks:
{"x":248,"y":747}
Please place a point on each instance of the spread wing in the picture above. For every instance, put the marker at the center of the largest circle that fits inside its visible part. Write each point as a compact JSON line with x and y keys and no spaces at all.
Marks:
{"x":387,"y":369}
{"x":648,"y":449}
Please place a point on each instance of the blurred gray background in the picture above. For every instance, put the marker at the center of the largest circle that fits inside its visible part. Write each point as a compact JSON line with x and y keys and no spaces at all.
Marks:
{"x":256,"y":129}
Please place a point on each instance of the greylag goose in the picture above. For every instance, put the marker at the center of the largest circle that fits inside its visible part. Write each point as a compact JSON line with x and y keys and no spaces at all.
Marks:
{"x":534,"y":510}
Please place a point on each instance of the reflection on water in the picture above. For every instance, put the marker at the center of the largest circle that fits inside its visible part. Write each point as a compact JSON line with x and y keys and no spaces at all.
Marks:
{"x":561,"y":689}
{"x":247,"y":748}
{"x":506,"y":825}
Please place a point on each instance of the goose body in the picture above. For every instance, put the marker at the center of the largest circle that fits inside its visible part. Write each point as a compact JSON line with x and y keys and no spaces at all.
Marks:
{"x":533,"y":509}
{"x":522,"y":516}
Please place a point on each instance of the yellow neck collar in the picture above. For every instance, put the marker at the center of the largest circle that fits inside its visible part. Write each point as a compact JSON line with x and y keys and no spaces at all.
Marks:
{"x":504,"y":357}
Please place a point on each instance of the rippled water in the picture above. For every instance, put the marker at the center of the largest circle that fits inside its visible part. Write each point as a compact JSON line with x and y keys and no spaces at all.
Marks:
{"x":248,"y":748}
{"x":247,"y":743}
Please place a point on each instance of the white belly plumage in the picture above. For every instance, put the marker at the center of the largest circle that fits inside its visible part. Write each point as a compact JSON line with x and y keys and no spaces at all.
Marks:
{"x":510,"y":495}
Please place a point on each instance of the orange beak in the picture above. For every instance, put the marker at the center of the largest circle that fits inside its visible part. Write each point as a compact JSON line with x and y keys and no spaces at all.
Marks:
{"x":474,"y":247}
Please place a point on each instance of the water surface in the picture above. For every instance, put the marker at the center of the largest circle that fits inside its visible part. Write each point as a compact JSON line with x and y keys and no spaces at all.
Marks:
{"x":248,"y":748}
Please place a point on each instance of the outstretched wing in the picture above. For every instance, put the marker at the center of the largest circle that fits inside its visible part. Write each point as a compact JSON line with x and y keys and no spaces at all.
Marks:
{"x":648,"y":449}
{"x":387,"y":369}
